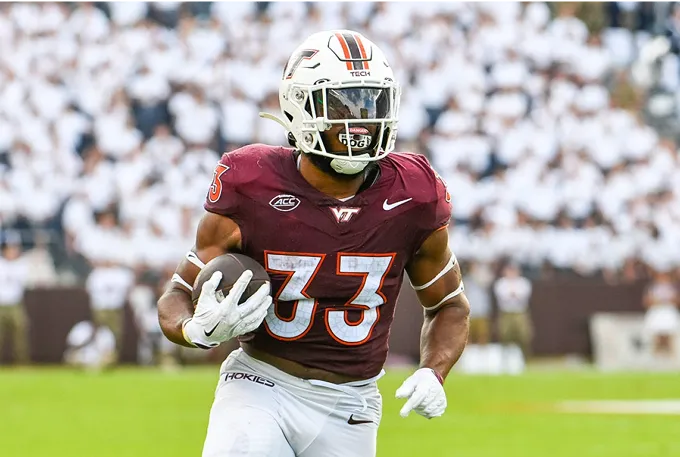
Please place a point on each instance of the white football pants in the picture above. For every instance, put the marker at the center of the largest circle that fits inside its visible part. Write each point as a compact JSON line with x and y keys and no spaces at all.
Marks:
{"x":260,"y":411}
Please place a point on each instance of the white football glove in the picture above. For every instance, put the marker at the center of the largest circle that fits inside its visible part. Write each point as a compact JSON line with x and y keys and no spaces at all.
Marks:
{"x":425,"y":394}
{"x":216,"y":321}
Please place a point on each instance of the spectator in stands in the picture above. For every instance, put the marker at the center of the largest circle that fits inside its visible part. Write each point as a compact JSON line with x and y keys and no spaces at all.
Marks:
{"x":633,"y":15}
{"x":513,"y":292}
{"x":673,"y":29}
{"x":163,"y":146}
{"x":662,"y":319}
{"x":196,"y":118}
{"x":165,"y":13}
{"x":108,"y":287}
{"x":89,"y":23}
{"x":13,"y":278}
{"x":478,"y":280}
{"x":153,"y":348}
{"x":149,"y":92}
{"x":39,"y":262}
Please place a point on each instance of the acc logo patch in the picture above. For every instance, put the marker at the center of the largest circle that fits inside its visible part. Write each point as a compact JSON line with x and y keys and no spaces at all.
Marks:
{"x":284,"y":202}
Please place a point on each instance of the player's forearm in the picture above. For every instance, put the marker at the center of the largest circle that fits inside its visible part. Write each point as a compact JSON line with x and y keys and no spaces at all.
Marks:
{"x":174,"y":307}
{"x":444,"y":335}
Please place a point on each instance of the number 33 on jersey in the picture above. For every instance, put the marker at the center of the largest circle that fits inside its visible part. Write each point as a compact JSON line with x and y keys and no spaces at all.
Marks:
{"x":335,"y":266}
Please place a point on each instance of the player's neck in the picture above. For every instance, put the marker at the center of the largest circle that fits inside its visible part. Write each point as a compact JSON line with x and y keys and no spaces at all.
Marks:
{"x":329,"y":185}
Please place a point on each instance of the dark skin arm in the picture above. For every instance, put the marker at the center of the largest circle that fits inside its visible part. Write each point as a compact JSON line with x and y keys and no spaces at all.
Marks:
{"x":445,"y":330}
{"x":216,"y":235}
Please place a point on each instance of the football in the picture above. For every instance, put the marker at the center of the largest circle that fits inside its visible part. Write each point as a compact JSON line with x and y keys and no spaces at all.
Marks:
{"x":231,"y":266}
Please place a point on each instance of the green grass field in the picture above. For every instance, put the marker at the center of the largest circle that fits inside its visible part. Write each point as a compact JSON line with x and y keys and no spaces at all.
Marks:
{"x":138,"y":412}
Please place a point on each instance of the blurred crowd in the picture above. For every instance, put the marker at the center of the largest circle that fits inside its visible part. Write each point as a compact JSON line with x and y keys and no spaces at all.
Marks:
{"x":544,"y":119}
{"x":113,"y":115}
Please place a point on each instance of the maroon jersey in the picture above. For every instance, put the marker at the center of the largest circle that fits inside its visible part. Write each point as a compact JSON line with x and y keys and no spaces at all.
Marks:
{"x":336,"y":266}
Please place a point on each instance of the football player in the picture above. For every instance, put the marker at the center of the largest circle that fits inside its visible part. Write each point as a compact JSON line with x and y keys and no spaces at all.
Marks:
{"x":335,"y":220}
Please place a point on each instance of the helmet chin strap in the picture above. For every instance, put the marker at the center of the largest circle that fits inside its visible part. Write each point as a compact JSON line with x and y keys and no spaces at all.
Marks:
{"x":350,"y":167}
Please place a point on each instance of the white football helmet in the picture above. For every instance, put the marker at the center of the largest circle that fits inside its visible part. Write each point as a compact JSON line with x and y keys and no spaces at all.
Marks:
{"x":339,"y":80}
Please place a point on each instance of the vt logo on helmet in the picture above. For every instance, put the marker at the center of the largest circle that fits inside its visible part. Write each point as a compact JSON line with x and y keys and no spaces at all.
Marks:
{"x":339,"y":100}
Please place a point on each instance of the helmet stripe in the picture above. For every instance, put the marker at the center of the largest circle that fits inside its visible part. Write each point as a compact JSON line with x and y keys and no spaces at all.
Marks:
{"x":363,"y":51}
{"x":345,"y":49}
{"x":354,"y":51}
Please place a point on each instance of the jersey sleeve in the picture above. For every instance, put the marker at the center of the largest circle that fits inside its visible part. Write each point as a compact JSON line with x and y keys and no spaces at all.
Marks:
{"x":442,"y":203}
{"x":234,"y":174}
{"x":222,"y":197}
{"x":435,"y":205}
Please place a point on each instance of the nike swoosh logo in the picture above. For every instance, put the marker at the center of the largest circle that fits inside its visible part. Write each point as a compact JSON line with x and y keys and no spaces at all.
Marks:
{"x":351,"y":421}
{"x":391,"y":206}
{"x":212,"y":331}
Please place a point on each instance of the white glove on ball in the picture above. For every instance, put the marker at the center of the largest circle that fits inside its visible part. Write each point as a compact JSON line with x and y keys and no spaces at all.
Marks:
{"x":425,"y":394}
{"x":216,"y":321}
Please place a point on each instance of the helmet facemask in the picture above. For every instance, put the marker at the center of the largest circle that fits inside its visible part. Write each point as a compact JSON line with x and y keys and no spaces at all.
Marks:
{"x":350,"y":124}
